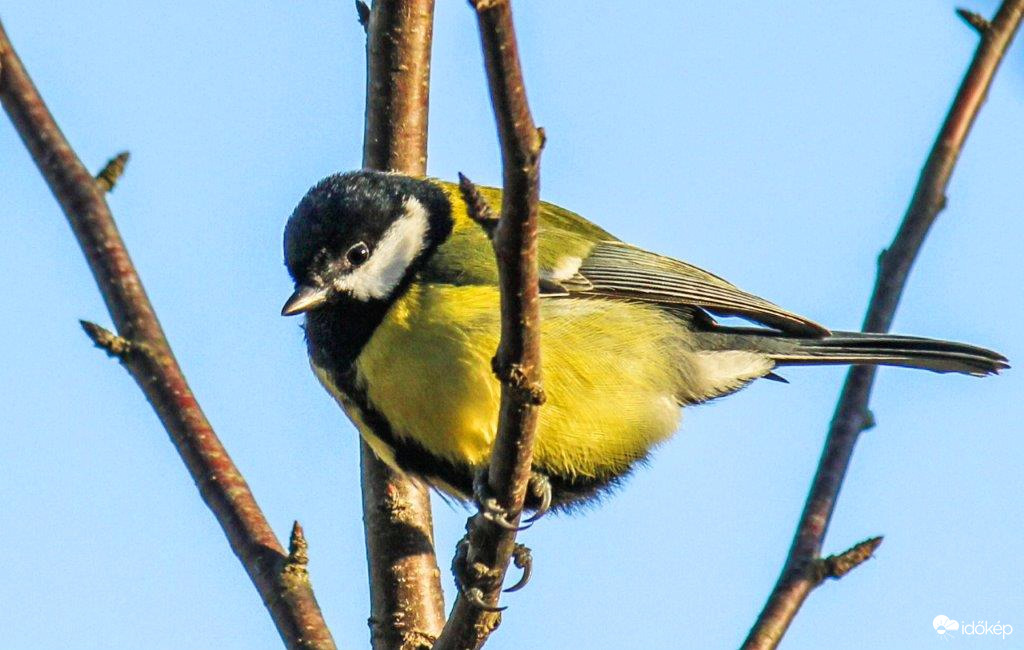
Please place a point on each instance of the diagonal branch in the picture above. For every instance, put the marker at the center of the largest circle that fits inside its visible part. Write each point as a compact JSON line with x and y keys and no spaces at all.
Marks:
{"x":141,"y":347}
{"x":517,"y":362}
{"x":407,"y":608}
{"x":799,"y":574}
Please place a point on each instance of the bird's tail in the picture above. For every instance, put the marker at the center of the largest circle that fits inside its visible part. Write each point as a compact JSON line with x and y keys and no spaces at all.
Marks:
{"x":863,"y":348}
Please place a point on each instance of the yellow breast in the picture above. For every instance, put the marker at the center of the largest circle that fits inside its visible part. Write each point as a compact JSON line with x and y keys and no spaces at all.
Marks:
{"x":611,"y":372}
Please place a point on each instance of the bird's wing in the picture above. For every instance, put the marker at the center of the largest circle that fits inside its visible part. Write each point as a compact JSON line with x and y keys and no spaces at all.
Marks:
{"x":619,"y":270}
{"x":578,"y":258}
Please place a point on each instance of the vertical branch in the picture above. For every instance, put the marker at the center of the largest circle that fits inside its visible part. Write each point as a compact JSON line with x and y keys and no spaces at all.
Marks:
{"x":399,"y":36}
{"x":517,"y":363}
{"x":407,"y":608}
{"x":804,"y":568}
{"x":142,"y":348}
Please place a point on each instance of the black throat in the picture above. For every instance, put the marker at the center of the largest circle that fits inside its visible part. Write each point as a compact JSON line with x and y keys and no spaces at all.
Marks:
{"x":337,"y":333}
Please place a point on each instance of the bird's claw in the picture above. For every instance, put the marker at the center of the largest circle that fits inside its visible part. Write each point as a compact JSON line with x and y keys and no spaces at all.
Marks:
{"x":489,"y":507}
{"x":468,"y":574}
{"x":523,"y":559}
{"x":464,"y":576}
{"x":498,"y":516}
{"x":540,"y":487}
{"x":475,"y":597}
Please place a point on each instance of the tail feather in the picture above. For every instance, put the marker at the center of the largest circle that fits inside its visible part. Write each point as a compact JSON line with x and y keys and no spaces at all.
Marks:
{"x":865,"y":348}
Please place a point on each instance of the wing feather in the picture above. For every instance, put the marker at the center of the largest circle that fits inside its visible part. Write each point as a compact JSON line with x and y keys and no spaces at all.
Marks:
{"x":606,"y":267}
{"x":620,"y":270}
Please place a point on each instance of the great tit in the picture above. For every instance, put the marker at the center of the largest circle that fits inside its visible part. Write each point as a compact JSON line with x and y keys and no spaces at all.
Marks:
{"x":399,"y":288}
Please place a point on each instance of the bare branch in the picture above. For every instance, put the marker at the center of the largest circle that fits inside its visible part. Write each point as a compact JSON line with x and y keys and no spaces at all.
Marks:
{"x":517,"y":362}
{"x":104,"y":339}
{"x":407,"y":609}
{"x":977,"y":21}
{"x":398,"y":85}
{"x":837,"y":566}
{"x":477,"y":207}
{"x":798,"y":576}
{"x":141,"y":347}
{"x":298,"y":548}
{"x":112,"y":171}
{"x":363,"y":15}
{"x":294,"y":574}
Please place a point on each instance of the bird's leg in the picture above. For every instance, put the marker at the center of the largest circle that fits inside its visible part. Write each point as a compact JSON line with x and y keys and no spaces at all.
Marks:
{"x":488,"y":504}
{"x":539,"y":486}
{"x":469,"y":574}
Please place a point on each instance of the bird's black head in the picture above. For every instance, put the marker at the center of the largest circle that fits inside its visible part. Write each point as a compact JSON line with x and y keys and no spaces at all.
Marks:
{"x":360,"y":236}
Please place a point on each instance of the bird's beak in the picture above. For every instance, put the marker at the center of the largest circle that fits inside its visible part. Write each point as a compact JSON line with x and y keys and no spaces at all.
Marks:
{"x":304,"y":299}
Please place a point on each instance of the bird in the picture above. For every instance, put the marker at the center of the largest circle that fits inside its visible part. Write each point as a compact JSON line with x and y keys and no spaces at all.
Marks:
{"x":398,"y":284}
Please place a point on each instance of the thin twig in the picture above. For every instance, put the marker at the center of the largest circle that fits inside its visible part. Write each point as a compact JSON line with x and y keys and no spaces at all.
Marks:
{"x":141,"y":347}
{"x":477,"y":207}
{"x":112,"y":171}
{"x":517,"y":362}
{"x":851,"y":416}
{"x":975,"y":20}
{"x":837,"y":566}
{"x":363,"y":15}
{"x":407,"y":605}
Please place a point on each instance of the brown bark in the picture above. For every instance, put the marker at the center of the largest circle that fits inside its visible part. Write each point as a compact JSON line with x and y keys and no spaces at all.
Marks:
{"x":803,"y":568}
{"x":517,"y":363}
{"x":142,"y":348}
{"x":407,"y":605}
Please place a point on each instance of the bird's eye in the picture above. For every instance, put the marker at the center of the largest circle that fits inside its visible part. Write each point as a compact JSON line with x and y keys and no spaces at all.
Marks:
{"x":358,"y":254}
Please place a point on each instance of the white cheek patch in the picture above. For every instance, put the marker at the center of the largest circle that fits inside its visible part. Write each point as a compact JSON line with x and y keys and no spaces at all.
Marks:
{"x":397,"y":249}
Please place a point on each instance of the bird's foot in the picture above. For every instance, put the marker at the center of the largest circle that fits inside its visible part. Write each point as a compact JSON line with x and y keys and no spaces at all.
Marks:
{"x":475,"y":580}
{"x":468,"y":575}
{"x":539,"y":487}
{"x":523,"y":559}
{"x":488,"y":504}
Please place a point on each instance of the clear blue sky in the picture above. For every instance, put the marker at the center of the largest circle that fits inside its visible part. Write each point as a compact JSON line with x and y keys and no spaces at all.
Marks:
{"x":773,"y":143}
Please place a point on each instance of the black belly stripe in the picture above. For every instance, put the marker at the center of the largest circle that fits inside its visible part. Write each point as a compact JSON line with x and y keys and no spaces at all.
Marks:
{"x":336,"y":336}
{"x":444,"y":475}
{"x":410,"y":456}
